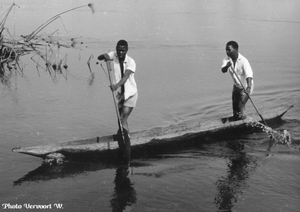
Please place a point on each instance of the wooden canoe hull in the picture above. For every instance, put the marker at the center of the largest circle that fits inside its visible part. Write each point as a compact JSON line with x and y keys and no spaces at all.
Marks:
{"x":158,"y":135}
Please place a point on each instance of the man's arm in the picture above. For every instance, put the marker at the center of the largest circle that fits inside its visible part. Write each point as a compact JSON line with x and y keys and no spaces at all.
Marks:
{"x":249,"y":85}
{"x":104,"y":57}
{"x":122,"y":81}
{"x":225,"y":68}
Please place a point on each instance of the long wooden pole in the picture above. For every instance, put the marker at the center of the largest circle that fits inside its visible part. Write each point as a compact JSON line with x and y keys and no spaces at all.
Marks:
{"x":115,"y":102}
{"x":263,"y":120}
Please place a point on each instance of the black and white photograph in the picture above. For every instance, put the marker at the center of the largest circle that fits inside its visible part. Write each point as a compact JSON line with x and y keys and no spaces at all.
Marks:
{"x":150,"y":106}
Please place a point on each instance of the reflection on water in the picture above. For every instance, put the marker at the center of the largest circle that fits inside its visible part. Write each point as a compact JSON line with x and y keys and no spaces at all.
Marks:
{"x":6,"y":79}
{"x":124,"y":193}
{"x":49,"y":171}
{"x":232,"y":149}
{"x":231,"y":187}
{"x":52,"y":171}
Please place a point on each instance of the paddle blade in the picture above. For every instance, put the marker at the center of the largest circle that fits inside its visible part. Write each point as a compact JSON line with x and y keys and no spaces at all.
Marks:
{"x":124,"y":145}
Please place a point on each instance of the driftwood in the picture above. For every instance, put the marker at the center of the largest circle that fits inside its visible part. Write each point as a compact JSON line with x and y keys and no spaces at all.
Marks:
{"x":44,"y":48}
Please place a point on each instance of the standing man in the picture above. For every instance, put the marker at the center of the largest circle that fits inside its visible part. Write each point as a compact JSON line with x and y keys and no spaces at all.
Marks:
{"x":242,"y":75}
{"x":124,"y":86}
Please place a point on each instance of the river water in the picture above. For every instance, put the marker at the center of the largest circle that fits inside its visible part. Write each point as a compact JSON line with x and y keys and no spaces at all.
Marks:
{"x":178,"y":47}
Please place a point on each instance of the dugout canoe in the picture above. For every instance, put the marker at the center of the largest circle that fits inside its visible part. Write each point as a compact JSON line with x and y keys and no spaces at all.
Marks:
{"x":154,"y":136}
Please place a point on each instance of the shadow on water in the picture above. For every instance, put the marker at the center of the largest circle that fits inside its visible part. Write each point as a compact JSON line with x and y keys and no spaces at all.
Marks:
{"x":243,"y":153}
{"x":240,"y":166}
{"x":48,"y":171}
{"x":124,"y":193}
{"x":6,"y":79}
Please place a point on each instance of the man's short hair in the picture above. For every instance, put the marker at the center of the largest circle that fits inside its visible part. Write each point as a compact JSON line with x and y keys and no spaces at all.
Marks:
{"x":122,"y":43}
{"x":234,"y":44}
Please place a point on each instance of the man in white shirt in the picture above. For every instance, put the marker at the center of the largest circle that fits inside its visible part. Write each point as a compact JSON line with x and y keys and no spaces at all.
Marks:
{"x":241,"y":72}
{"x":123,"y":68}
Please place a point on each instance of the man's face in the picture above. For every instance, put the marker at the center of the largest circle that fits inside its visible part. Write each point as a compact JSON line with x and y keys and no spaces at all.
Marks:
{"x":231,"y":52}
{"x":121,"y":51}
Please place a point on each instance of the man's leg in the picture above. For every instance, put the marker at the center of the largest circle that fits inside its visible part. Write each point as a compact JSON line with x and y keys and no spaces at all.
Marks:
{"x":242,"y":104}
{"x":239,"y":100}
{"x":125,"y":144}
{"x":124,"y":114}
{"x":235,"y":100}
